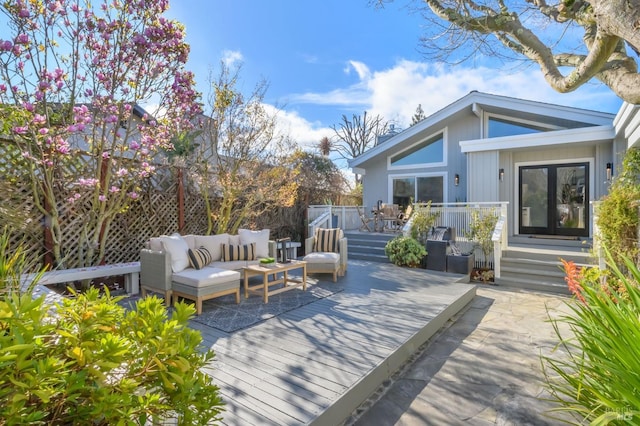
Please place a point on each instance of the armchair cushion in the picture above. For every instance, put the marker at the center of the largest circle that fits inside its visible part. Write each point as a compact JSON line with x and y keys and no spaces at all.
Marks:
{"x":238,"y":252}
{"x":326,"y":240}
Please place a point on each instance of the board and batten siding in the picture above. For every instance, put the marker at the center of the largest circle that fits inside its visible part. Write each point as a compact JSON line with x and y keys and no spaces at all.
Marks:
{"x":482,"y":175}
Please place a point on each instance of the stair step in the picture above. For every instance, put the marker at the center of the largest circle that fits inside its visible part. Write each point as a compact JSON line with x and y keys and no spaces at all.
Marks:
{"x":370,"y":257}
{"x":534,"y":285}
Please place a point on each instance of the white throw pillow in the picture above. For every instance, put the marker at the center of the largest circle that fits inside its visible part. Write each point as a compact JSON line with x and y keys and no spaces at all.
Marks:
{"x":213,"y":243}
{"x":178,"y":249}
{"x":261,"y":238}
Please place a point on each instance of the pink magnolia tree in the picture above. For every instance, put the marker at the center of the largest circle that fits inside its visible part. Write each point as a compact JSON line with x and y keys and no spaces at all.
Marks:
{"x":73,"y":77}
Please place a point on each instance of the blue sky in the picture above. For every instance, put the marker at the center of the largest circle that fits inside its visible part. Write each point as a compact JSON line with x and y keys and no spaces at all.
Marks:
{"x":325,"y":58}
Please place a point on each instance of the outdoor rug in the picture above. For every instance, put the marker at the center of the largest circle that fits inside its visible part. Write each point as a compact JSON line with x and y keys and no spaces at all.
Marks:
{"x":224,"y":314}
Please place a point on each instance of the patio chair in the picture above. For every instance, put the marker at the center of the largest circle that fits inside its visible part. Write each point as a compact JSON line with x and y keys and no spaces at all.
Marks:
{"x":365,"y":220}
{"x":403,"y":218}
{"x":326,"y":252}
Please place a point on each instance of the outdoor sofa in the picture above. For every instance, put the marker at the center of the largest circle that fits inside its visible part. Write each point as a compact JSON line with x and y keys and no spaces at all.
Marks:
{"x":201,"y":267}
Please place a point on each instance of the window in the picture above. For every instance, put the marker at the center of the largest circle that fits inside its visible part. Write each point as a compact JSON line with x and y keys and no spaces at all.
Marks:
{"x":418,"y":188}
{"x":426,"y":152}
{"x":500,"y":126}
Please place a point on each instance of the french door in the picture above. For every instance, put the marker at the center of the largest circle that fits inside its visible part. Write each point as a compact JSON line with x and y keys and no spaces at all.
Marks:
{"x":554,"y":199}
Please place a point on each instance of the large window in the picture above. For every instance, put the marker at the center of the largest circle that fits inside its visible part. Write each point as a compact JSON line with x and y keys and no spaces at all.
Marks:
{"x":426,"y":152}
{"x":502,"y":126}
{"x":418,"y":188}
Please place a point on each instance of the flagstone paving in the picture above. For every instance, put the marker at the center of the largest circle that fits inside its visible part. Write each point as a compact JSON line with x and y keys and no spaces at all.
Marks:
{"x":483,"y":368}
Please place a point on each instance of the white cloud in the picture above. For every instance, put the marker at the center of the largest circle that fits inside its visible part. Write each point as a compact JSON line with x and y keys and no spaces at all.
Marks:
{"x":395,"y":93}
{"x":361,"y":69}
{"x":307,"y":134}
{"x":231,"y":57}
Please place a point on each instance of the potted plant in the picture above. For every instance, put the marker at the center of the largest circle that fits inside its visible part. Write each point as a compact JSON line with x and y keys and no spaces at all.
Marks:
{"x":481,"y":233}
{"x":405,"y":251}
{"x":422,"y":220}
{"x":460,"y":260}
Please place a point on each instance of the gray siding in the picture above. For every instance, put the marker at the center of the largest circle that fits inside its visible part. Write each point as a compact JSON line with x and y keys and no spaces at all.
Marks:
{"x":483,"y":176}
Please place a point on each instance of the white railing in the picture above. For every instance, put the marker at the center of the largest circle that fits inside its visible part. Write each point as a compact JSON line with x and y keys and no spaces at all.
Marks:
{"x":454,"y":215}
{"x":345,"y":217}
{"x":322,"y":221}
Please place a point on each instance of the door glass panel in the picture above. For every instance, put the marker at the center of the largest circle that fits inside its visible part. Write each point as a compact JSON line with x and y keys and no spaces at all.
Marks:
{"x":534,"y":196}
{"x":430,"y":189}
{"x":403,"y":191}
{"x":570,"y":197}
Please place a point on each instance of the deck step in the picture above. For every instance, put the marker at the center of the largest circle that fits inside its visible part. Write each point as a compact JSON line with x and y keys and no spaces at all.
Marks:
{"x":368,"y":246}
{"x":540,"y":268}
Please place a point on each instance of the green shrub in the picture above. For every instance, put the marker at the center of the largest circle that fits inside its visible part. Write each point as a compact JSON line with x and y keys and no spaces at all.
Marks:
{"x":88,"y":360}
{"x":598,"y":381}
{"x":405,"y":251}
{"x":422,"y":220}
{"x":481,"y":232}
{"x":618,"y":217}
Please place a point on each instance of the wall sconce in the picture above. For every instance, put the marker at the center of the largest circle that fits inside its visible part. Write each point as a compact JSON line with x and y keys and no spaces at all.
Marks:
{"x":609,"y":171}
{"x":456,"y":180}
{"x":501,"y":174}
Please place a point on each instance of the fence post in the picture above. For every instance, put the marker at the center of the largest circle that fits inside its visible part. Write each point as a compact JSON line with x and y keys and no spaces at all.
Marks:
{"x":180,"y":201}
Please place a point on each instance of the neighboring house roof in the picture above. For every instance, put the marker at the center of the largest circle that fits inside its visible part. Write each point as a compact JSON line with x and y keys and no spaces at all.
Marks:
{"x":562,"y":116}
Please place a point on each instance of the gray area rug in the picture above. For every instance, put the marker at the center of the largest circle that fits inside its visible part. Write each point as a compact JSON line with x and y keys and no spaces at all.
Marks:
{"x":224,"y":314}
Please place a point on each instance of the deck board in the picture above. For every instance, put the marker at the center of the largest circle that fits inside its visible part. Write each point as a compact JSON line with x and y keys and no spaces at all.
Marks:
{"x":316,"y":364}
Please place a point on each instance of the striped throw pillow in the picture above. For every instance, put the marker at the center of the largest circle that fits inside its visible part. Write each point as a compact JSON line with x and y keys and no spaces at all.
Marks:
{"x":326,"y":240}
{"x":238,"y":252}
{"x":199,"y":258}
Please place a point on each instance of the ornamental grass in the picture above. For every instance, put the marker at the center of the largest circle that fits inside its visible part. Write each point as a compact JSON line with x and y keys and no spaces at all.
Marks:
{"x":598,"y":381}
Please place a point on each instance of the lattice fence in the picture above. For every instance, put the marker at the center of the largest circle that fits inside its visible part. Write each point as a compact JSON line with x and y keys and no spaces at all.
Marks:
{"x":155,"y":213}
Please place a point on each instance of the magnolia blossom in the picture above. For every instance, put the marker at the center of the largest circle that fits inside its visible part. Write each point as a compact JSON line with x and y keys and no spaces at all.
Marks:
{"x":20,"y":130}
{"x":122,"y":172}
{"x":133,"y":195}
{"x":88,"y":182}
{"x":102,"y":198}
{"x":114,"y":189}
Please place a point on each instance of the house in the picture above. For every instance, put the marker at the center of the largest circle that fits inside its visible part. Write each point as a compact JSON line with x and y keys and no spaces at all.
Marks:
{"x":548,"y":162}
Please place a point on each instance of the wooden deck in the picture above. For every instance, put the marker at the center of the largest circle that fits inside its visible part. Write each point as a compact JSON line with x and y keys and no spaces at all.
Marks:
{"x":316,"y":364}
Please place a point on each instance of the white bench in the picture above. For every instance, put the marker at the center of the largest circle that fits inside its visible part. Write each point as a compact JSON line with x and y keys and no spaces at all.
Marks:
{"x":131,"y":272}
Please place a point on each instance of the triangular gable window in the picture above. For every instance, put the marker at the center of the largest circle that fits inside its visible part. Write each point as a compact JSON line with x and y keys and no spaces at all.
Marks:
{"x":429,"y":151}
{"x":500,"y":126}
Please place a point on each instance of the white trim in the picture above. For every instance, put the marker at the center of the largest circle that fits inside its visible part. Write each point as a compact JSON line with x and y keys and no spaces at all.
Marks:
{"x":569,"y":136}
{"x":483,"y":100}
{"x":445,"y":179}
{"x":516,"y":186}
{"x":444,"y":132}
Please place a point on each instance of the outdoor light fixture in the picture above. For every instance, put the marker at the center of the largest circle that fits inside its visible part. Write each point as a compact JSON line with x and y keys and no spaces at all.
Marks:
{"x":501,"y":174}
{"x":456,"y":180}
{"x":609,"y":171}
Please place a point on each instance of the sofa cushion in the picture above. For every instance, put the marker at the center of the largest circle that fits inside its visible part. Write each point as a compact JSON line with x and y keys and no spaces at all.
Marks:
{"x":233,"y":265}
{"x":327,"y":240}
{"x":205,"y":277}
{"x":191,"y":241}
{"x":213,"y":243}
{"x":238,"y":252}
{"x":261,"y":238}
{"x":322,"y":257}
{"x":178,"y":249}
{"x":234,"y":240}
{"x":199,"y":258}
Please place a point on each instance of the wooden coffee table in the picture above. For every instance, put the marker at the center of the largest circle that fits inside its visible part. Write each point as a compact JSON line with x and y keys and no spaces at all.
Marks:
{"x":283,"y":268}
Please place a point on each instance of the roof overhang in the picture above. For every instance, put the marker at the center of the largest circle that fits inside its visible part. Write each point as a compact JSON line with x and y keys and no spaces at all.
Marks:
{"x":559,"y":137}
{"x":477,"y":101}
